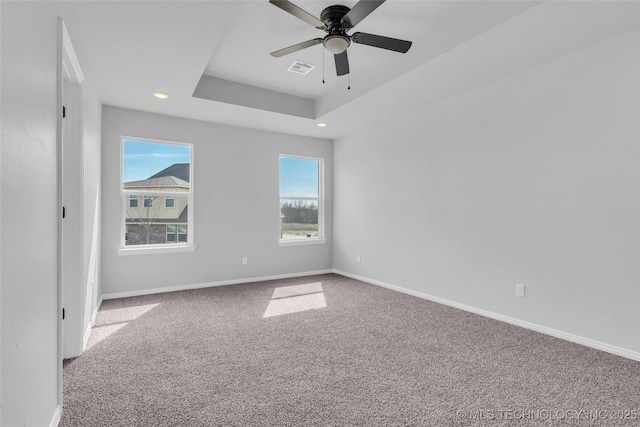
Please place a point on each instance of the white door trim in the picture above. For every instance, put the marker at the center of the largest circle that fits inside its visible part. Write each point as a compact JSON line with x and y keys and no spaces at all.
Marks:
{"x":71,"y":289}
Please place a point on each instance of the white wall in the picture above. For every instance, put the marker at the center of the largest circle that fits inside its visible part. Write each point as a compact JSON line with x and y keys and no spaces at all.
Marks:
{"x":531,"y":179}
{"x":235,"y":204}
{"x":29,"y":226}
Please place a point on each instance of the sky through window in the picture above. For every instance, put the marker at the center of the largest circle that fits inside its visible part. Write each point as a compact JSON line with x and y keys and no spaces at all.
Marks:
{"x":144,"y":159}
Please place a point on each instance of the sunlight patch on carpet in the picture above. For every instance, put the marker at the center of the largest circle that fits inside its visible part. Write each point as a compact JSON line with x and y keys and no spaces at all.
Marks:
{"x":127,"y":314}
{"x":290,"y":291}
{"x":294,"y":299}
{"x":110,"y":321}
{"x":99,"y":333}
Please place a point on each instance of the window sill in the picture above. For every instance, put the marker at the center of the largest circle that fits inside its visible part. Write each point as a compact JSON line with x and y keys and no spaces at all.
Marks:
{"x":160,"y":249}
{"x":302,"y":242}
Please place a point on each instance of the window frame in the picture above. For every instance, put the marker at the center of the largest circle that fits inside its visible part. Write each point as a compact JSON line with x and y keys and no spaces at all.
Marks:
{"x":156,"y":248}
{"x":320,"y":239}
{"x":133,"y":197}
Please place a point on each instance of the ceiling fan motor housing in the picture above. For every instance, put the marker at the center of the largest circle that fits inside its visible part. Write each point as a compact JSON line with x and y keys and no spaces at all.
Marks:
{"x":332,"y":18}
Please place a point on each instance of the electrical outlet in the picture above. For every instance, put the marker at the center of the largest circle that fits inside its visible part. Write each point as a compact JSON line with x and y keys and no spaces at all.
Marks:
{"x":519,"y":290}
{"x":245,"y":261}
{"x":358,"y":259}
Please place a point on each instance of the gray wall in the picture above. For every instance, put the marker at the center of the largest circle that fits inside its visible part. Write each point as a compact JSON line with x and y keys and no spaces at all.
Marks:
{"x":29,"y":227}
{"x":235,"y":204}
{"x":531,"y":179}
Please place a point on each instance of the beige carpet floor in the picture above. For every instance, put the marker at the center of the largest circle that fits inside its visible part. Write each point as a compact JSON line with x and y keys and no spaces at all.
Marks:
{"x":332,"y":351}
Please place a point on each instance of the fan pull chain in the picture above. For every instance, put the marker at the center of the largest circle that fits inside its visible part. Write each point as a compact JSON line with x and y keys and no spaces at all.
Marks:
{"x":323,"y":65}
{"x":349,"y":75}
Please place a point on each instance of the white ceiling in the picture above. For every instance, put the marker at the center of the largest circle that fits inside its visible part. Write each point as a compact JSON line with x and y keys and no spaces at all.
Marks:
{"x":136,"y":48}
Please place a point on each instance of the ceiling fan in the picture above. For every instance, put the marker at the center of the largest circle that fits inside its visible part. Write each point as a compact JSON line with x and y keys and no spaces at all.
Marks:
{"x":336,"y":21}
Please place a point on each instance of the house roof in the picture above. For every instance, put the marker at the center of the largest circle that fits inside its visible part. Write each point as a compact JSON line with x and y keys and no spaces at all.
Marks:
{"x":159,"y":182}
{"x":178,"y":170}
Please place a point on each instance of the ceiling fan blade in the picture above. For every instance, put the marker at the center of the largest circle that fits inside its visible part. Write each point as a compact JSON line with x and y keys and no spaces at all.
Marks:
{"x":296,"y":47}
{"x":382,"y":42}
{"x":298,"y":12}
{"x":342,"y":63}
{"x":361,"y":10}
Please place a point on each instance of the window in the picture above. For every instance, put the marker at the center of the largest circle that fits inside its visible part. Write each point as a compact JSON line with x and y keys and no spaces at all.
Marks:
{"x":301,"y":200}
{"x":171,"y":233}
{"x":182,"y":233}
{"x":160,"y":174}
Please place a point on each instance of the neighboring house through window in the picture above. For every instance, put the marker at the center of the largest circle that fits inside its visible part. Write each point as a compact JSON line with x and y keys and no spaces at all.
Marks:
{"x":165,"y":189}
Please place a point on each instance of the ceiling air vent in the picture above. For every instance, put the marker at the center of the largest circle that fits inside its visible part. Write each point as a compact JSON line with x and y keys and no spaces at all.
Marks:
{"x":300,"y":67}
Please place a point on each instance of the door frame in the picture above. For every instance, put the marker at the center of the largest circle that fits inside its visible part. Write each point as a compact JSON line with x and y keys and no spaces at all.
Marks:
{"x":70,"y":140}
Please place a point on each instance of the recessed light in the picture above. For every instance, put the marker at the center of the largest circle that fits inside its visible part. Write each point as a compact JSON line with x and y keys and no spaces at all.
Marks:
{"x":321,"y":124}
{"x":160,"y":95}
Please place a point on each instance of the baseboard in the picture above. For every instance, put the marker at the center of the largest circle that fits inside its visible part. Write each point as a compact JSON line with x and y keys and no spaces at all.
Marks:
{"x":619,"y":351}
{"x":210,"y":284}
{"x":57,"y":414}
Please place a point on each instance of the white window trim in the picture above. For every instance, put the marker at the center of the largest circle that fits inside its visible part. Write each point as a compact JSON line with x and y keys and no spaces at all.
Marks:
{"x":306,"y":240}
{"x":156,"y":249}
{"x":137,"y":199}
{"x":162,"y":248}
{"x":301,"y":242}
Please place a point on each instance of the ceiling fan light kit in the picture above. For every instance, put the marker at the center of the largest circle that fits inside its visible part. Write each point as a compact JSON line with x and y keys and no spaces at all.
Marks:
{"x":336,"y":21}
{"x":336,"y":44}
